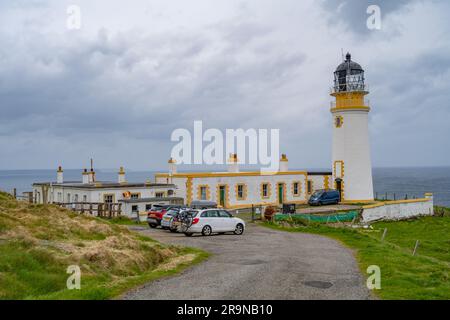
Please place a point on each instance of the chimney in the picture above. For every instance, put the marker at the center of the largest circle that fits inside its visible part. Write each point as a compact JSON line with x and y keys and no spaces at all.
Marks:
{"x":121,"y":176}
{"x":284,"y":164}
{"x":172,"y":166}
{"x":233,"y":165}
{"x":91,"y":176}
{"x":85,"y":176}
{"x":59,"y":175}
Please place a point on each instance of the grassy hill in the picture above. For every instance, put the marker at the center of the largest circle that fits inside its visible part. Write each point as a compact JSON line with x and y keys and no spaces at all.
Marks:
{"x":38,"y":243}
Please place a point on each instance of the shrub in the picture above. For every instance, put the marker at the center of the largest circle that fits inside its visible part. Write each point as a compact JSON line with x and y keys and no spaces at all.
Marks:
{"x":269,"y":212}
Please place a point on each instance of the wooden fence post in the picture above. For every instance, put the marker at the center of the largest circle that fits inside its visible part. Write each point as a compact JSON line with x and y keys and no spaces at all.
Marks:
{"x":415,"y":247}
{"x":384,"y":234}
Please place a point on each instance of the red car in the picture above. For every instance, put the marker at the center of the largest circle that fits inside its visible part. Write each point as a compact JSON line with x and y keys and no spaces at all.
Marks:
{"x":155,"y":215}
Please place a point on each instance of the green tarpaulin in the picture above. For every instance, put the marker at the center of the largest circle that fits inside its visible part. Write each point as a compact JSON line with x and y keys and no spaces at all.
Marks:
{"x":334,"y":217}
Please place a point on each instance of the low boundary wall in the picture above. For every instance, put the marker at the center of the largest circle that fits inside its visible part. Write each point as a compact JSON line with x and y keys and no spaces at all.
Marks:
{"x":397,"y":210}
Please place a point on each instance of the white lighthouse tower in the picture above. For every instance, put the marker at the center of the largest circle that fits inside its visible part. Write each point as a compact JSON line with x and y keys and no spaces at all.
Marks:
{"x":352,"y":168}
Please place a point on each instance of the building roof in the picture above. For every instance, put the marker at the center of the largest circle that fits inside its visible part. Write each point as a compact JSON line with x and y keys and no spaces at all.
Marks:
{"x":319,"y":173}
{"x":154,"y":199}
{"x":238,"y":174}
{"x":106,"y":185}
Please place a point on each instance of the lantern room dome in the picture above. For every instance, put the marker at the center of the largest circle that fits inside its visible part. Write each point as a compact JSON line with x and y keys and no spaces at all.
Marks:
{"x":349,"y":76}
{"x":348,"y":64}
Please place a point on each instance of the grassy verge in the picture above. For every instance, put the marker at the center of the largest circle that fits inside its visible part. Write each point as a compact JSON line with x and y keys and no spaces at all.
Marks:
{"x":403,"y":276}
{"x":38,"y":243}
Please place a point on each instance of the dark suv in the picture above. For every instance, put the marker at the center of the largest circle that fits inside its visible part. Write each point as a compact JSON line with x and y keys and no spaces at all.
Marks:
{"x":321,"y":197}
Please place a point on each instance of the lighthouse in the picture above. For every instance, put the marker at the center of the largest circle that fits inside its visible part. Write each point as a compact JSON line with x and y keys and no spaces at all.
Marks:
{"x":351,"y":162}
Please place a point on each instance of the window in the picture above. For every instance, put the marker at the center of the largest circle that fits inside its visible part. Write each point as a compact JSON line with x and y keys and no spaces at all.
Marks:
{"x":59,"y":197}
{"x":148,"y":207}
{"x":309,"y":186}
{"x":296,"y":188}
{"x":68,"y":198}
{"x":224,"y":214}
{"x":159,"y":194}
{"x":85,"y":198}
{"x":241,"y":192}
{"x":265,"y":190}
{"x":134,"y":209}
{"x":338,"y":121}
{"x":203,"y":193}
{"x":76,"y":198}
{"x":108,"y":198}
{"x":135,"y":196}
{"x":213,"y":214}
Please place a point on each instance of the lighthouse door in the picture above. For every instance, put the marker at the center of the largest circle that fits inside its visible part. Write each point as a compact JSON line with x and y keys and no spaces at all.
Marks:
{"x":339,"y":188}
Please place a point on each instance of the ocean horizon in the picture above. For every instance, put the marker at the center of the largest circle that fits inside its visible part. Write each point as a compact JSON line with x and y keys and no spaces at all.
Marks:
{"x":401,"y":182}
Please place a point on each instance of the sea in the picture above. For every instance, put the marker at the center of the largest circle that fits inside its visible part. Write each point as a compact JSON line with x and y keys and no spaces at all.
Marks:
{"x":391,"y":183}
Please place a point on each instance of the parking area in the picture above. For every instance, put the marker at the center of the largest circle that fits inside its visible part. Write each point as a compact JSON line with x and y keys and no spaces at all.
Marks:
{"x":261,"y":264}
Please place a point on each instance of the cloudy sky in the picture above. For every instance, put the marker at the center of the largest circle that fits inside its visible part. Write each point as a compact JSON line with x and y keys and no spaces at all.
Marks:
{"x":115,"y":89}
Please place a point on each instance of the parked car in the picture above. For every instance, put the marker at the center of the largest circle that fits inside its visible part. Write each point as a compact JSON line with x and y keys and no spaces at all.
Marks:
{"x":168,"y":217}
{"x":321,"y":197}
{"x":155,"y":215}
{"x":211,"y":221}
{"x":183,"y":216}
{"x":203,"y":204}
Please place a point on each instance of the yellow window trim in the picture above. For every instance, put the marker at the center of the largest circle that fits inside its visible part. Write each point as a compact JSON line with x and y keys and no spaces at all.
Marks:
{"x":199,"y":192}
{"x":341,"y":162}
{"x":341,"y":121}
{"x":244,"y":191}
{"x":299,"y":188}
{"x":269,"y":190}
{"x":312,"y":186}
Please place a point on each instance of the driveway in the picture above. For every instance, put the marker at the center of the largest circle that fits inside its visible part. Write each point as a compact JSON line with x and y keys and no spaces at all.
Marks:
{"x":261,"y":264}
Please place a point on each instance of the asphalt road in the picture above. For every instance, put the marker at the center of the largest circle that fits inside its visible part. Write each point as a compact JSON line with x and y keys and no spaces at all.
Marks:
{"x":261,"y":264}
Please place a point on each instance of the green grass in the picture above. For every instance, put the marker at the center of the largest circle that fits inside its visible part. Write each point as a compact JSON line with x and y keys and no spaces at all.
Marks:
{"x":125,"y":221}
{"x":403,"y":276}
{"x":38,"y":243}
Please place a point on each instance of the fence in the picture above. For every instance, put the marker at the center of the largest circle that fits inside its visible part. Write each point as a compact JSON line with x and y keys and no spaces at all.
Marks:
{"x":380,"y":196}
{"x":105,"y":210}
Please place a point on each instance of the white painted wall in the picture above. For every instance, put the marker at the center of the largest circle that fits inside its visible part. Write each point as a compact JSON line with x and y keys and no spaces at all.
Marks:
{"x":253,"y":184}
{"x":399,"y":210}
{"x":351,"y":145}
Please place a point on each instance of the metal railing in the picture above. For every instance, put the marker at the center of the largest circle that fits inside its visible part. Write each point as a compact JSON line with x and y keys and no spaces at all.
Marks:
{"x":357,"y":87}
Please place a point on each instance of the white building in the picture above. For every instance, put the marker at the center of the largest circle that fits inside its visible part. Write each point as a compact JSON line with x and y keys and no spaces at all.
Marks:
{"x":235,"y":189}
{"x":90,"y":195}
